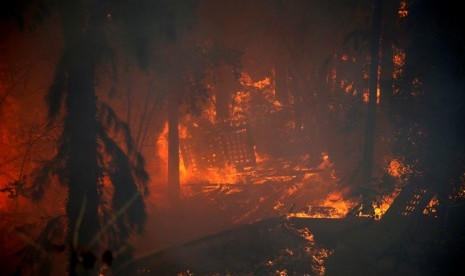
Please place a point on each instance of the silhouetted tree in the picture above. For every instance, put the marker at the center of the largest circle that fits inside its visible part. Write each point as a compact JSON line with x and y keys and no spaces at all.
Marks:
{"x":87,"y":156}
{"x":369,"y":141}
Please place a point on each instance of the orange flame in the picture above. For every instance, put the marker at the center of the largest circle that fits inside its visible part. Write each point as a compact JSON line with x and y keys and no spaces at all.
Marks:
{"x":336,"y":207}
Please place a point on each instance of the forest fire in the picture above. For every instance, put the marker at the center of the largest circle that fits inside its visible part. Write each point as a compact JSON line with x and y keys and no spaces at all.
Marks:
{"x":204,"y":137}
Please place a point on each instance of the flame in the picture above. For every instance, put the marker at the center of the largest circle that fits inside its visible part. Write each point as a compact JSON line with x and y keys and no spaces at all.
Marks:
{"x":341,"y":206}
{"x":246,"y":80}
{"x":381,"y":207}
{"x":184,"y":175}
{"x":261,"y":89}
{"x":334,"y":206}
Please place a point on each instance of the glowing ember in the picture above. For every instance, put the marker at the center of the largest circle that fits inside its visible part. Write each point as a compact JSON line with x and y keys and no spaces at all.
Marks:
{"x":319,"y":255}
{"x":396,"y":168}
{"x":366,"y":96}
{"x":432,"y":208}
{"x":403,"y":12}
{"x":459,"y":192}
{"x":399,"y":61}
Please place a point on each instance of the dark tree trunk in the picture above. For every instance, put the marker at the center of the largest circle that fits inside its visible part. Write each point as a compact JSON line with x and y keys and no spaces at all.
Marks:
{"x":386,"y":79}
{"x":82,"y":205}
{"x":80,"y":133}
{"x":369,"y":143}
{"x":389,"y":32}
{"x":174,"y":185}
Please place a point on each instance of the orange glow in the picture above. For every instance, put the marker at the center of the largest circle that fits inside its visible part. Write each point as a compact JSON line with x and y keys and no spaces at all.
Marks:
{"x":381,"y":207}
{"x":227,"y":174}
{"x":396,"y":168}
{"x":209,"y":111}
{"x":183,"y":172}
{"x":162,"y":152}
{"x":246,"y":80}
{"x":162,"y":144}
{"x":378,"y":87}
{"x":399,"y":61}
{"x":182,"y":131}
{"x":218,"y":175}
{"x":240,"y":105}
{"x":319,"y":254}
{"x":341,"y":206}
{"x":366,"y":96}
{"x":432,"y":208}
{"x":334,"y":206}
{"x":402,"y":12}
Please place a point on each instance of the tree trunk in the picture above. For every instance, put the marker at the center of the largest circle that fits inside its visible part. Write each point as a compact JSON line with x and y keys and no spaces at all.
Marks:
{"x":390,"y":22}
{"x":368,"y":150}
{"x":174,"y":186}
{"x":81,"y":130}
{"x":80,"y":133}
